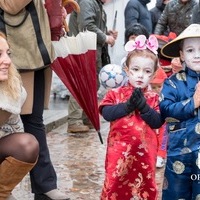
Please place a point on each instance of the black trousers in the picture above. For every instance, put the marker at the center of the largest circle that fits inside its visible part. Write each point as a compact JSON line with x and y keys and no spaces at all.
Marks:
{"x":43,"y":176}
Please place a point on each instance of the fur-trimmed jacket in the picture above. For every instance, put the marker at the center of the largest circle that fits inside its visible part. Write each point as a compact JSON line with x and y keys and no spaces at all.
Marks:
{"x":11,"y":104}
{"x":13,"y":124}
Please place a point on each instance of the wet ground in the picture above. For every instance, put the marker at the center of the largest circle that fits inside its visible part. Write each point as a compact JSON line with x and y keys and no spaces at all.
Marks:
{"x":79,"y":162}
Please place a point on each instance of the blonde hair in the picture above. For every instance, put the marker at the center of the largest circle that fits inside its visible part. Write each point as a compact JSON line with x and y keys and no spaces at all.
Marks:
{"x":11,"y":86}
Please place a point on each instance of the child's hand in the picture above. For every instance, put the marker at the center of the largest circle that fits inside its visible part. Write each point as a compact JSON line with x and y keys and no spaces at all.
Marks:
{"x":131,"y":103}
{"x":196,"y":96}
{"x":137,"y":101}
{"x":141,"y":101}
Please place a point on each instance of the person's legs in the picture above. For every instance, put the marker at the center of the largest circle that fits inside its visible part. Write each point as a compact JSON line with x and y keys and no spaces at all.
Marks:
{"x":75,"y":121}
{"x":195,"y":176}
{"x":18,"y":155}
{"x":162,"y":147}
{"x":86,"y":121}
{"x":43,"y":176}
{"x":21,"y":146}
{"x":177,"y":178}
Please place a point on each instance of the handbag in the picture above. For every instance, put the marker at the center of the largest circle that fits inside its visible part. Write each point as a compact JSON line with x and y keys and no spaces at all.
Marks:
{"x":26,"y":32}
{"x":105,"y":57}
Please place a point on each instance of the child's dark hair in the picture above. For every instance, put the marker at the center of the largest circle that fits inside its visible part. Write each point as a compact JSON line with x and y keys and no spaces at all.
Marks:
{"x":136,"y":29}
{"x":181,"y":44}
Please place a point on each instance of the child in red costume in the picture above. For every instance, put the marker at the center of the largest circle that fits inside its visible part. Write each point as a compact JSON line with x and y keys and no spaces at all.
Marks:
{"x":133,"y":113}
{"x":156,"y":85}
{"x":165,"y":62}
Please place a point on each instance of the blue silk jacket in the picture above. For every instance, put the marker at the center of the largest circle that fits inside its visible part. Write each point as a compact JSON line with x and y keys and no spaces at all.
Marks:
{"x":177,"y":107}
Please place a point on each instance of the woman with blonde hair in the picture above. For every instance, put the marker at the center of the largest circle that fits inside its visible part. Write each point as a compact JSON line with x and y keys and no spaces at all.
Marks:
{"x":18,"y":150}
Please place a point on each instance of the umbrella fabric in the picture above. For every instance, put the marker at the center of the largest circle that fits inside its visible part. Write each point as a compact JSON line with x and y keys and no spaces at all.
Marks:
{"x":54,"y":11}
{"x":75,"y":65}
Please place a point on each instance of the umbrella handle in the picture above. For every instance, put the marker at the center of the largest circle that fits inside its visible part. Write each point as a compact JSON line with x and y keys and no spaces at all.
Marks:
{"x":70,"y":5}
{"x":65,"y":26}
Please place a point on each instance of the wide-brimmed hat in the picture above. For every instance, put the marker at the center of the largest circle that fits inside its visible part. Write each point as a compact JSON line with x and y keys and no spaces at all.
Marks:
{"x":172,"y":48}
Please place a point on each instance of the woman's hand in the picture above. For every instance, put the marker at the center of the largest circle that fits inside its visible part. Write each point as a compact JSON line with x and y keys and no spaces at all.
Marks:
{"x":113,"y":33}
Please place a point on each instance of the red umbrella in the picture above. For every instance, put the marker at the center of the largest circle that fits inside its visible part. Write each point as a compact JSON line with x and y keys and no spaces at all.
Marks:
{"x":75,"y":65}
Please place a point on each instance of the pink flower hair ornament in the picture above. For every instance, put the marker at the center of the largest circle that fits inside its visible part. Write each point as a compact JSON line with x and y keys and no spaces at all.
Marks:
{"x":141,"y":42}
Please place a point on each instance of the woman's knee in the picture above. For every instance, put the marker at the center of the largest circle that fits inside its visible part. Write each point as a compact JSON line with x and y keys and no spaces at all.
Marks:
{"x":30,"y":147}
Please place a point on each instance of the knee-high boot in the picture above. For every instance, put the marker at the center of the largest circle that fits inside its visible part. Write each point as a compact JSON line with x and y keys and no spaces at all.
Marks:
{"x":12,"y":171}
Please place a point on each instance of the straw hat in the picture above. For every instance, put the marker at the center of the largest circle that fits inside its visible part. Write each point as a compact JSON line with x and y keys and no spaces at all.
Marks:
{"x":172,"y":48}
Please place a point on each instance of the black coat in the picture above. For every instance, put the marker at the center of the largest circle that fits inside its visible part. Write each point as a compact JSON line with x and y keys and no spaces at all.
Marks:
{"x":136,"y":11}
{"x":196,"y":15}
{"x":156,"y":12}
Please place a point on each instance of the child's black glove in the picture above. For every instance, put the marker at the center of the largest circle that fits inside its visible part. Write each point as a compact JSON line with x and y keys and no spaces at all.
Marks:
{"x":131,"y":103}
{"x":140,"y":101}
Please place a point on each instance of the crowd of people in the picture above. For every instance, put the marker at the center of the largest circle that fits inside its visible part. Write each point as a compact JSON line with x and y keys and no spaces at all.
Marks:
{"x":153,"y":115}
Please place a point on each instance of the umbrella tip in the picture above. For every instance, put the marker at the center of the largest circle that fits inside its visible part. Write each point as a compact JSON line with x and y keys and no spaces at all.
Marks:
{"x":100,"y":137}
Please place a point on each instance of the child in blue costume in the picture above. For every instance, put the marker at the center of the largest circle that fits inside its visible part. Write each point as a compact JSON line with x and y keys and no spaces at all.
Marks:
{"x":180,"y":107}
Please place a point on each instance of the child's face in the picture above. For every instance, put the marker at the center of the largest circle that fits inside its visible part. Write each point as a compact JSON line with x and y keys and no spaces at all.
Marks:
{"x":140,"y":71}
{"x":132,"y":37}
{"x":191,"y":53}
{"x":5,"y":60}
{"x":156,"y":87}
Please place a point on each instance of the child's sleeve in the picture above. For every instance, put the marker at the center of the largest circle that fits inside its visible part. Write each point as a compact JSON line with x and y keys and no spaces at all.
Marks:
{"x":110,"y":109}
{"x":153,"y":118}
{"x":176,"y":102}
{"x":111,"y":113}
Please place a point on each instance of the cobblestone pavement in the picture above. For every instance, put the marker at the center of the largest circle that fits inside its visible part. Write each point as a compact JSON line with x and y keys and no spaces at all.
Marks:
{"x":79,"y":162}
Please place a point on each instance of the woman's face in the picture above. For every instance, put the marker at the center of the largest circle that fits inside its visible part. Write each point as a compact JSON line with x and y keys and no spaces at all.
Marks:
{"x":140,"y":71}
{"x":5,"y":60}
{"x":191,"y":53}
